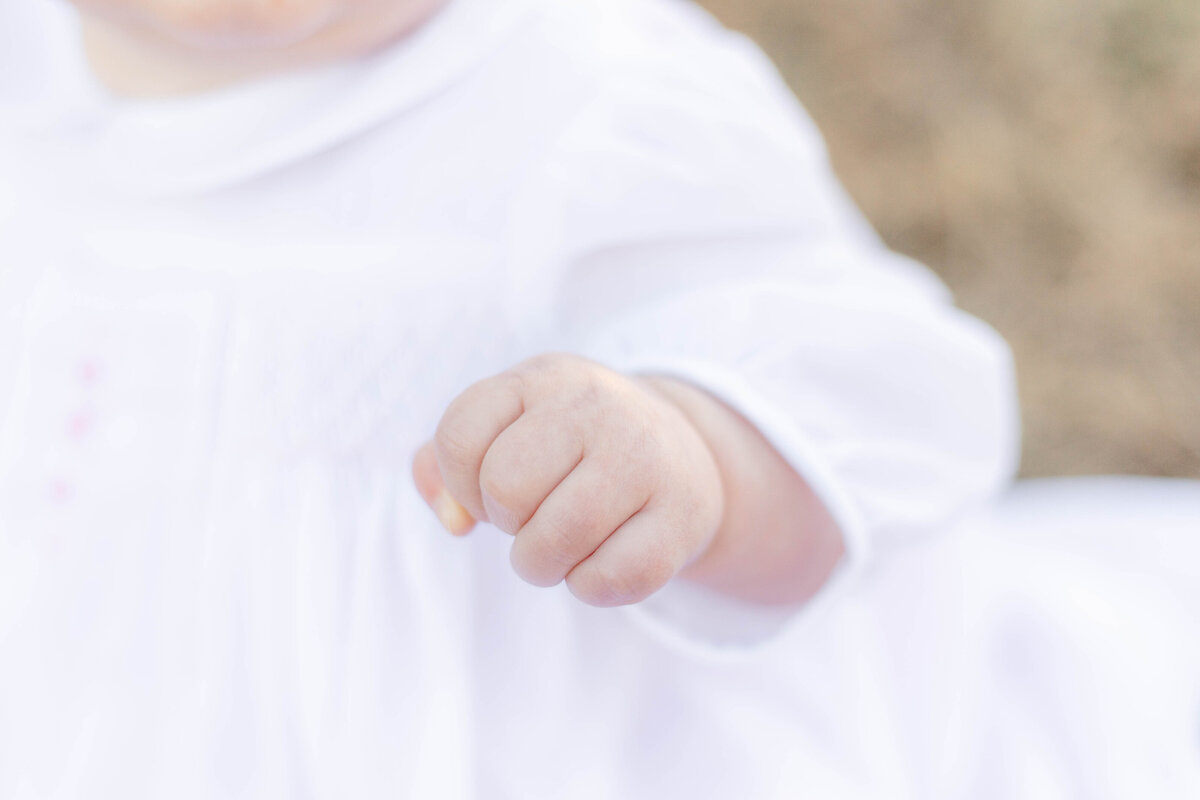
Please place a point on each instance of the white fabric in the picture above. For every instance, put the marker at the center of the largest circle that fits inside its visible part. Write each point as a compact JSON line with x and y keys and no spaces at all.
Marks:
{"x":226,"y":322}
{"x":1083,"y":611}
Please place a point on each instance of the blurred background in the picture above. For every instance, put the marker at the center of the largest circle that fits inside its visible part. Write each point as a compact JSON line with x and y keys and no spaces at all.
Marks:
{"x":1043,"y":156}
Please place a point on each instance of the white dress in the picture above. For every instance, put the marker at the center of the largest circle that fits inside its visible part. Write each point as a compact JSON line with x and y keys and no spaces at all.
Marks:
{"x":226,"y":323}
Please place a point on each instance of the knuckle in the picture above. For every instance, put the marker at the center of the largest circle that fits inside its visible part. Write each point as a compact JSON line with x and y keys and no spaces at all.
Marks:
{"x":616,"y":584}
{"x":588,"y":391}
{"x":636,"y":463}
{"x":603,"y":586}
{"x":558,"y":534}
{"x":456,"y":436}
{"x":501,"y":481}
{"x":539,"y":376}
{"x":586,"y":400}
{"x":550,"y":546}
{"x":454,"y":443}
{"x":531,"y":565}
{"x":543,"y":362}
{"x":608,"y":585}
{"x":510,"y":382}
{"x":566,"y":378}
{"x":649,"y":575}
{"x":589,"y":587}
{"x":549,"y":549}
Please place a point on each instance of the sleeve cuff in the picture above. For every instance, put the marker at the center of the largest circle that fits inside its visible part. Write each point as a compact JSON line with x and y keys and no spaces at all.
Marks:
{"x":706,"y":623}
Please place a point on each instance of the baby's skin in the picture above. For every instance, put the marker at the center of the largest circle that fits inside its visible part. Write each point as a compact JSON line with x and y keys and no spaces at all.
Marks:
{"x":614,"y":484}
{"x":618,"y":484}
{"x":164,"y":47}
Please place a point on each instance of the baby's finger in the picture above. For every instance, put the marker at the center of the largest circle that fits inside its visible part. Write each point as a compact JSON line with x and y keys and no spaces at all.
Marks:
{"x":467,"y":430}
{"x":633,"y":563}
{"x":428,"y":479}
{"x":577,"y":517}
{"x":524,"y":465}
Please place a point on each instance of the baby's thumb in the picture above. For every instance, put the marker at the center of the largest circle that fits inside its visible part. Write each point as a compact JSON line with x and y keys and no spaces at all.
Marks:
{"x":428,"y":479}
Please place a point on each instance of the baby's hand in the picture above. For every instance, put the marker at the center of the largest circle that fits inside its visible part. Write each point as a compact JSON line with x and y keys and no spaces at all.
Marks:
{"x":601,"y":479}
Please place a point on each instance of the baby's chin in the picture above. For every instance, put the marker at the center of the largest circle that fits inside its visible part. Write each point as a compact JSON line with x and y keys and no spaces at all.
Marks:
{"x":223,"y":25}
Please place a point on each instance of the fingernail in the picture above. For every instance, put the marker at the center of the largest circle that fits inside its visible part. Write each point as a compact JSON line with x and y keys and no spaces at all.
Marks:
{"x":452,"y":515}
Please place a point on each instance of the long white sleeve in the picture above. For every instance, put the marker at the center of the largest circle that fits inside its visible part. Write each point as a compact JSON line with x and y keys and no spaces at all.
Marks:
{"x":700,"y":234}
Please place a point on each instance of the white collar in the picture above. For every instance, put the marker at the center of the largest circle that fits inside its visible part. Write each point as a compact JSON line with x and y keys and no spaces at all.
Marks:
{"x":214,"y":140}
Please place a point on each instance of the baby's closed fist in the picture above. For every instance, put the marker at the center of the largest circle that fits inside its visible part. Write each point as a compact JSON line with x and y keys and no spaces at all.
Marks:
{"x":603,"y":481}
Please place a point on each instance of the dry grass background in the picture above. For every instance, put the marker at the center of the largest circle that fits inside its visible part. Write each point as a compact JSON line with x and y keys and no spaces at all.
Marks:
{"x":1044,"y":157}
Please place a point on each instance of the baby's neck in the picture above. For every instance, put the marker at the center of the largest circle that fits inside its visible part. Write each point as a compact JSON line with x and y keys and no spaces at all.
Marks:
{"x":142,"y":64}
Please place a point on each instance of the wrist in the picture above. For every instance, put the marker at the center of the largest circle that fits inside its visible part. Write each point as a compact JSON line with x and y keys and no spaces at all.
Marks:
{"x":777,"y":544}
{"x":702,"y":413}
